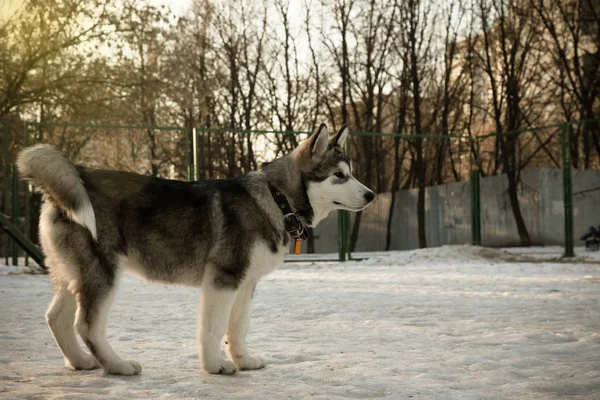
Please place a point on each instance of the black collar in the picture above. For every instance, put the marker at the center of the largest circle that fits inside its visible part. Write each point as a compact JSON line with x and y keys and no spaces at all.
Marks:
{"x":291,"y":221}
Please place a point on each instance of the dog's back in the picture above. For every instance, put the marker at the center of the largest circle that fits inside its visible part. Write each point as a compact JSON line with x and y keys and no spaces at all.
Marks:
{"x":161,"y":229}
{"x":220,"y":235}
{"x":94,"y":224}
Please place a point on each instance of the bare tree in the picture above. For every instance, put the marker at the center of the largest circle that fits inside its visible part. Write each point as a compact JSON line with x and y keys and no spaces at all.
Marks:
{"x":27,"y":46}
{"x":415,"y":48}
{"x":338,"y":46}
{"x":289,"y":88}
{"x":368,"y":76}
{"x":194,"y":77}
{"x":400,"y":126}
{"x":571,"y":31}
{"x":240,"y":50}
{"x":252,"y":38}
{"x":509,"y":63}
{"x":453,"y":83}
{"x":144,"y":30}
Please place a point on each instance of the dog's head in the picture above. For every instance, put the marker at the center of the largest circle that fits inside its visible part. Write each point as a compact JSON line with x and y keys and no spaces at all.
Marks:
{"x":327,"y":173}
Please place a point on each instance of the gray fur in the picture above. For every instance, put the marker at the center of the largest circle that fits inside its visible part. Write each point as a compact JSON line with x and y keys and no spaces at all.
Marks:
{"x":221,"y":235}
{"x":57,"y":178}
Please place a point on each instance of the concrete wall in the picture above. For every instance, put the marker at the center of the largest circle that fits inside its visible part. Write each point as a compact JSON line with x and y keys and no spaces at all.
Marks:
{"x":448,"y":213}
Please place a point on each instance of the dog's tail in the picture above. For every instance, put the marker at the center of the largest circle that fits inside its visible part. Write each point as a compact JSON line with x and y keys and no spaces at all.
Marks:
{"x":56,"y":177}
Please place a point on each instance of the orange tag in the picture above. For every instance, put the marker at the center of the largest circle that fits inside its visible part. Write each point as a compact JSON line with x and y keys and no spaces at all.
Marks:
{"x":297,"y":246}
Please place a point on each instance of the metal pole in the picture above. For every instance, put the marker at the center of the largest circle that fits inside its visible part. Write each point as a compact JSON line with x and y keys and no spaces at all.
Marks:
{"x":344,"y":224}
{"x":475,"y":198}
{"x":195,"y":153}
{"x":188,"y":161}
{"x":347,"y":233}
{"x":475,"y":208}
{"x":27,"y":229}
{"x":341,"y":236}
{"x":565,"y":132}
{"x":15,"y":212}
{"x":7,"y":183}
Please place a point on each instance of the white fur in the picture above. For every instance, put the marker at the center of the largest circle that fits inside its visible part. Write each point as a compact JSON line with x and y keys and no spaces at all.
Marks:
{"x":52,"y":173}
{"x":239,"y":325}
{"x":85,"y":216}
{"x":215,"y":308}
{"x":343,"y":136}
{"x":222,"y":311}
{"x":61,"y":271}
{"x":60,"y":318}
{"x":350,"y":195}
{"x":345,"y":168}
{"x":263,"y":261}
{"x":96,"y":334}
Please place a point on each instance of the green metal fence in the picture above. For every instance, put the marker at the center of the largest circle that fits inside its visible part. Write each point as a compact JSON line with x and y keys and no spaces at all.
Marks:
{"x":541,"y":158}
{"x":459,"y":170}
{"x":543,"y":162}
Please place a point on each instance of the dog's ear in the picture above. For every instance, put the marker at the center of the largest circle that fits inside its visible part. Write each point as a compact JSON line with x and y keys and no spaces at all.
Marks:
{"x":340,"y":138}
{"x":312,"y":150}
{"x":318,"y":142}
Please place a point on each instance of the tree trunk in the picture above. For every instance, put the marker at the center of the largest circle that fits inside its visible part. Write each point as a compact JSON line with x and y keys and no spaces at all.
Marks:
{"x":395,"y":187}
{"x":514,"y":202}
{"x":508,"y":152}
{"x":355,"y":229}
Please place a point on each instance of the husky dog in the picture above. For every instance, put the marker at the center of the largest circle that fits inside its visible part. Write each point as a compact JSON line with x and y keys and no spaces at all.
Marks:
{"x":219,"y":235}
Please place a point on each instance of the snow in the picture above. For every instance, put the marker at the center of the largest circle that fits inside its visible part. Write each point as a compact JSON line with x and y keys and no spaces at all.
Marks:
{"x":455,"y":322}
{"x":553,"y":252}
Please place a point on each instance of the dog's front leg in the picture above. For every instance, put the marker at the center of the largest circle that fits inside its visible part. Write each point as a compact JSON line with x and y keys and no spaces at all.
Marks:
{"x":239,"y":325}
{"x":215,"y":307}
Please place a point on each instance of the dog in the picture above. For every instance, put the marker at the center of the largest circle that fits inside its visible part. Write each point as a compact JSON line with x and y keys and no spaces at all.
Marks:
{"x":219,"y":235}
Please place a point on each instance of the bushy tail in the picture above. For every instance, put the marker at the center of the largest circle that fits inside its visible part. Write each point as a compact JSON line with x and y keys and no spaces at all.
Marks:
{"x":53,"y":174}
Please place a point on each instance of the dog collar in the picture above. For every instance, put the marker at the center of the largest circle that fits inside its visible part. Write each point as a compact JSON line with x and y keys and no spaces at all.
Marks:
{"x":292,"y":223}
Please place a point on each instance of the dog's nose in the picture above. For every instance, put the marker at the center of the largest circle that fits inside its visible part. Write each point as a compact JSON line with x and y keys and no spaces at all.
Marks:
{"x":369,"y":196}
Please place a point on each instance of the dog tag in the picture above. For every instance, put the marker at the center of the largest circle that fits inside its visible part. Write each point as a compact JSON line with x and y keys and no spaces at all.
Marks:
{"x":297,"y":246}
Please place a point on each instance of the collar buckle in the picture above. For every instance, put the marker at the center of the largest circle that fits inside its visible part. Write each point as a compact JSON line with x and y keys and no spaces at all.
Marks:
{"x":294,"y":226}
{"x":292,"y":223}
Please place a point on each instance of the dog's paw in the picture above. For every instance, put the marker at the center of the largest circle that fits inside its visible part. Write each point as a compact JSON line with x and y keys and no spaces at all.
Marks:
{"x":223,"y":367}
{"x":123,"y":368}
{"x":247,"y":362}
{"x":84,"y":363}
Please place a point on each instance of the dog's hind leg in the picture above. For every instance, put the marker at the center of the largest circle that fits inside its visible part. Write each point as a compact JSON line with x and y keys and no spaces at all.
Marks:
{"x":94,"y":298}
{"x":215,"y":307}
{"x":239,"y":325}
{"x":60,"y":318}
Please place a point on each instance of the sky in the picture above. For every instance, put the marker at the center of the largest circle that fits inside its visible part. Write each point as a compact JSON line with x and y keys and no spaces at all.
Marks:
{"x":8,"y":7}
{"x":179,"y":7}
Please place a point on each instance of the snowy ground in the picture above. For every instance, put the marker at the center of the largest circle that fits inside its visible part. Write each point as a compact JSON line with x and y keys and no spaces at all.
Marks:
{"x":448,"y":323}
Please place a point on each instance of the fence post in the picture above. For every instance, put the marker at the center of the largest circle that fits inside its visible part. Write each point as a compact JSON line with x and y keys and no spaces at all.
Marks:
{"x":7,"y":183}
{"x":342,"y":235}
{"x":195,"y":154}
{"x":344,"y":224}
{"x":27,"y":226}
{"x":475,"y":198}
{"x":188,"y":161}
{"x":565,"y":135}
{"x":15,"y":208}
{"x":347,"y":233}
{"x":475,"y":208}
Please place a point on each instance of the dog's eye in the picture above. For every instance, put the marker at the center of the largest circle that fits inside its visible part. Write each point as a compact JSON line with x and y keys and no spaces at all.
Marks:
{"x":340,"y":174}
